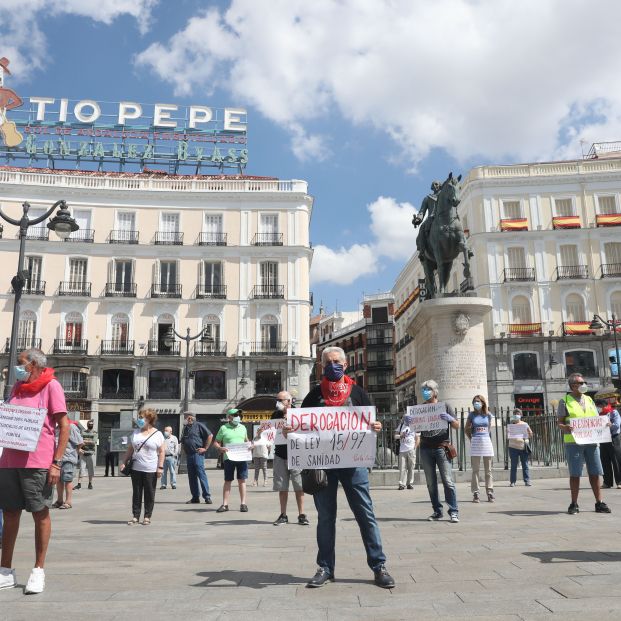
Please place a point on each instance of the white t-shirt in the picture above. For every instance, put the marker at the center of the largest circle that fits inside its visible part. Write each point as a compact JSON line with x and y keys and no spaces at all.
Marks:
{"x":145,"y":459}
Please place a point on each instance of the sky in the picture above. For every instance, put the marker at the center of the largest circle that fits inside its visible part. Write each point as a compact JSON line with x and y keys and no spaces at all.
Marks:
{"x":367,"y":100}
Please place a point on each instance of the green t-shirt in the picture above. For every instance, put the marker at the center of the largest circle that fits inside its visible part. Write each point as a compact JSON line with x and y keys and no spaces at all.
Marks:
{"x":231,"y":434}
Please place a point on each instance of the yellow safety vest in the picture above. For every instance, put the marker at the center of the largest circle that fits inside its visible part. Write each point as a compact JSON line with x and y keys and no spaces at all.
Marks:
{"x":574,"y":410}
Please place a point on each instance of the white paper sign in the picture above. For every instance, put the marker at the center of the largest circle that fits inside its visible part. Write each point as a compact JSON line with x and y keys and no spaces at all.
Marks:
{"x":481,"y":446}
{"x":239,"y":452}
{"x":331,"y":437}
{"x":20,"y":426}
{"x":426,"y":417}
{"x":271,"y":430}
{"x":515,"y":431}
{"x":591,"y":429}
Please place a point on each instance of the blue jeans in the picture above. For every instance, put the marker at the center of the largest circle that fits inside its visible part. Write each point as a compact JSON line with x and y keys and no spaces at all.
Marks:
{"x":170,"y":464}
{"x":196,"y":473}
{"x":430,"y":458}
{"x":355,"y":482}
{"x":522,"y":455}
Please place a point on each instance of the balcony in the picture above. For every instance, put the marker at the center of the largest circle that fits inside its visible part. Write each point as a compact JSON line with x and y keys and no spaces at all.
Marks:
{"x":611,"y":270}
{"x":64,"y":346}
{"x":33,"y":287}
{"x":385,"y":363}
{"x":273,"y":348}
{"x":609,"y":219}
{"x":566,"y":222}
{"x":120,"y":347}
{"x":267,"y":239}
{"x":211,"y":239}
{"x":379,"y":340}
{"x":168,"y":238}
{"x":123,"y":237}
{"x":209,"y":349}
{"x":77,"y":289}
{"x":514,"y":224}
{"x":123,"y":394}
{"x":75,"y":393}
{"x":515,"y":274}
{"x":37,"y":233}
{"x":574,"y":328}
{"x":267,"y":292}
{"x":571,"y":272}
{"x":120,"y":290}
{"x":165,"y":291}
{"x":380,"y":387}
{"x":217,"y":292}
{"x":158,"y":348}
{"x":27,"y":342}
{"x":86,"y":236}
{"x":523,"y":329}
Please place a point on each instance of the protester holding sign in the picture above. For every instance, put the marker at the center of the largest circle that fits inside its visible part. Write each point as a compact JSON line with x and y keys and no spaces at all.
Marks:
{"x":574,"y":406}
{"x":27,"y":478}
{"x":478,"y":429}
{"x":408,"y":441}
{"x":337,"y":389}
{"x":233,"y":433}
{"x":519,"y":433}
{"x":607,"y":450}
{"x":434,"y":446}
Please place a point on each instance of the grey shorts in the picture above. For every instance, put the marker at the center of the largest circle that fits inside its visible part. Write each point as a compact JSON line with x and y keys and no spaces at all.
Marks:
{"x":282,"y":476}
{"x":67,"y":472}
{"x":87,"y":465}
{"x":25,"y":488}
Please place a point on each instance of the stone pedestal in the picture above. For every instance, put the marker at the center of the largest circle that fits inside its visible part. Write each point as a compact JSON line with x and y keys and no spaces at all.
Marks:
{"x":449,"y":347}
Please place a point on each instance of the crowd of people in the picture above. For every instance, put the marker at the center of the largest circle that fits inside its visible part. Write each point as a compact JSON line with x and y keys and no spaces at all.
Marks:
{"x":28,"y":479}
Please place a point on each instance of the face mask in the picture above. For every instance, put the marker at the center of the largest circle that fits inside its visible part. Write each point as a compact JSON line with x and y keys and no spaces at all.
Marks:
{"x":21,"y":375}
{"x":583,"y":388}
{"x":166,"y":434}
{"x":140,"y":422}
{"x":236,"y":420}
{"x":280,"y":406}
{"x":427,"y":393}
{"x":477,"y":405}
{"x":333,"y":371}
{"x":516,"y":418}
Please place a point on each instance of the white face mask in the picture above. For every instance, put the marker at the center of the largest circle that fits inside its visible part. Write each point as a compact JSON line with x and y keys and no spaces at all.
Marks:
{"x":583,"y":388}
{"x":280,"y":406}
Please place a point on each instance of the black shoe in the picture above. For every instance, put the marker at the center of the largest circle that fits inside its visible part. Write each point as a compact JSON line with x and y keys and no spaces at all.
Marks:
{"x":303,"y":520}
{"x":606,"y":486}
{"x":383,"y":579}
{"x":222,"y":508}
{"x":105,"y":475}
{"x":78,"y":486}
{"x":282,"y":519}
{"x":574,"y":508}
{"x":90,"y":486}
{"x":192,"y":501}
{"x":410,"y":486}
{"x":435,"y":516}
{"x":401,"y":487}
{"x":320,"y":578}
{"x":243,"y":508}
{"x":208,"y":500}
{"x":602,"y":507}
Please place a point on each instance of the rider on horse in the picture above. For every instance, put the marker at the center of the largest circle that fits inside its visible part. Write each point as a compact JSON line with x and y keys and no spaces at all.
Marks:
{"x":427,"y":208}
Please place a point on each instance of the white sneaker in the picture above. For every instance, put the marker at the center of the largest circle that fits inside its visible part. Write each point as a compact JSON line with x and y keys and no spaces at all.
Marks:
{"x":7,"y":578}
{"x":36,"y":582}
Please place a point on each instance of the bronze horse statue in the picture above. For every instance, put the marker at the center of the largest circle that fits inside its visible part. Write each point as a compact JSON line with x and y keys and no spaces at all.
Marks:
{"x":446,"y":240}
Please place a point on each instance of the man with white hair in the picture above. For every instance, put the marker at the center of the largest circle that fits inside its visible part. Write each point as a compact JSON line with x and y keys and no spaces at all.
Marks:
{"x":337,"y":389}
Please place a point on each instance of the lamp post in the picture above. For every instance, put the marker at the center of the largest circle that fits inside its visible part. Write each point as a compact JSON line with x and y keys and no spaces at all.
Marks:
{"x":169,"y":341}
{"x":598,"y":323}
{"x":63,"y":225}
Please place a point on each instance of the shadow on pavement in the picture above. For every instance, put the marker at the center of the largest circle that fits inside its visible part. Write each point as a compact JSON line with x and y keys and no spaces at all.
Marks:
{"x":105,"y":521}
{"x":575,"y":556}
{"x":257,"y":579}
{"x":390,"y":519}
{"x":236,"y":522}
{"x":525,"y":513}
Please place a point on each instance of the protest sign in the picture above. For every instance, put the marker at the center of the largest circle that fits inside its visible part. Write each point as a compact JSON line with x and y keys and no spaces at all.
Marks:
{"x":426,"y":417}
{"x":515,"y":431}
{"x":20,"y":427}
{"x":481,"y":446}
{"x":271,"y":430}
{"x":331,"y":437}
{"x":239,"y":452}
{"x":591,"y":429}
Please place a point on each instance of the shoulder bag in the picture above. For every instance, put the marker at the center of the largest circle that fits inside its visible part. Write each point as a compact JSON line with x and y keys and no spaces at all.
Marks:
{"x":314,"y":481}
{"x":129,"y":463}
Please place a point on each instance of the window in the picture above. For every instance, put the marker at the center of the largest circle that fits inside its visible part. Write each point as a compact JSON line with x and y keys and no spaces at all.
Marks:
{"x":213,"y":225}
{"x":164,"y":323}
{"x":268,"y":224}
{"x":27,"y":329}
{"x":167,"y":278}
{"x":34,"y":268}
{"x":117,"y":384}
{"x":520,"y":310}
{"x":38,"y":231}
{"x":73,"y":329}
{"x":268,"y":274}
{"x":122,"y":274}
{"x":606,"y":205}
{"x":268,"y":382}
{"x":511,"y":210}
{"x":612,"y":250}
{"x":569,"y":256}
{"x":563,"y":207}
{"x":164,"y":384}
{"x":574,"y":308}
{"x":580,"y":361}
{"x":126,"y":221}
{"x":209,"y":385}
{"x":379,"y":315}
{"x":120,"y":329}
{"x":211,"y":330}
{"x":525,"y":366}
{"x":516,"y":257}
{"x":73,"y":383}
{"x":270,"y":332}
{"x":77,"y":272}
{"x":615,"y":304}
{"x":211,"y":275}
{"x":170,"y":222}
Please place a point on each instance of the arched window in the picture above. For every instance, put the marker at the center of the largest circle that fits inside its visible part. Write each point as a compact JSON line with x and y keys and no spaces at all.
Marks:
{"x":160,"y":344}
{"x":27,"y":330}
{"x":270,"y":333}
{"x":120,"y":330}
{"x":210,"y":343}
{"x":73,"y":329}
{"x":574,"y":307}
{"x":525,"y":366}
{"x":520,"y":310}
{"x":580,"y":361}
{"x":615,"y":304}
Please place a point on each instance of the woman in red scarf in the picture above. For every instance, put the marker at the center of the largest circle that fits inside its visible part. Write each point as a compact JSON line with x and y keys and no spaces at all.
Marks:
{"x":27,"y":478}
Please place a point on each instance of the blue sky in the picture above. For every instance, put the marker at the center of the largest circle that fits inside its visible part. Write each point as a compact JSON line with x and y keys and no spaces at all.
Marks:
{"x":367,"y":100}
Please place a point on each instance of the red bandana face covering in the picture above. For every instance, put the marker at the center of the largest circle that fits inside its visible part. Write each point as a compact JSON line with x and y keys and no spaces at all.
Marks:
{"x":28,"y":389}
{"x":336,"y":393}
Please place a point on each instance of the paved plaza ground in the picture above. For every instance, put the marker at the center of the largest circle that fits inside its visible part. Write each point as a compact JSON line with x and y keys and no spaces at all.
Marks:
{"x":522,"y":557}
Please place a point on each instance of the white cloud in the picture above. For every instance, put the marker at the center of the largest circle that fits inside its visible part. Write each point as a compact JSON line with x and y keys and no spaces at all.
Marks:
{"x":344,"y":265}
{"x":24,"y":43}
{"x":494,"y":79}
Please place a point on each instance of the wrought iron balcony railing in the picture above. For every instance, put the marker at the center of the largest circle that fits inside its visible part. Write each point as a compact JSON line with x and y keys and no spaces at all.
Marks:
{"x":27,"y":342}
{"x":570,"y":272}
{"x":64,"y":346}
{"x":511,"y":274}
{"x":80,"y":289}
{"x":165,"y":291}
{"x":211,"y":239}
{"x":120,"y":290}
{"x":267,"y":239}
{"x":123,"y":237}
{"x":159,"y":348}
{"x":82,"y":235}
{"x":210,"y":291}
{"x":168,"y":238}
{"x":210,"y":349}
{"x":122,"y":347}
{"x":273,"y":348}
{"x":265,"y":292}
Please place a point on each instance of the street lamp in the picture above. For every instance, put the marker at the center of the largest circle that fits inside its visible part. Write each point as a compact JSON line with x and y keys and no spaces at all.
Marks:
{"x":598,"y":324}
{"x":63,"y":225}
{"x":169,"y":341}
